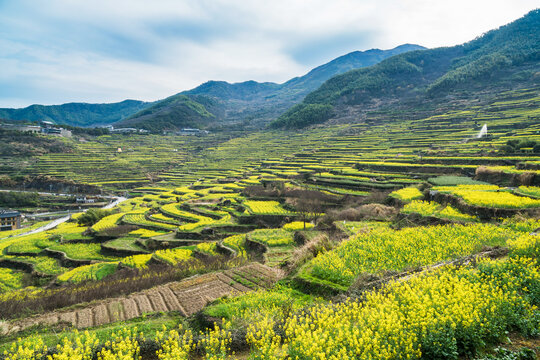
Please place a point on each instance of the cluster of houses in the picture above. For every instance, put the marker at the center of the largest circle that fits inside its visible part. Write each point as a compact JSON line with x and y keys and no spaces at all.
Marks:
{"x":187,"y":132}
{"x":192,"y":132}
{"x":85,"y":200}
{"x":49,"y":128}
{"x":114,"y":130}
{"x":44,"y":127}
{"x":182,"y":132}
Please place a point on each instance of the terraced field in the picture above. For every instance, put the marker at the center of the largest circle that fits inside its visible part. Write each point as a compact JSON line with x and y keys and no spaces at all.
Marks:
{"x":116,"y":161}
{"x":340,"y":162}
{"x":332,"y":208}
{"x":185,"y":297}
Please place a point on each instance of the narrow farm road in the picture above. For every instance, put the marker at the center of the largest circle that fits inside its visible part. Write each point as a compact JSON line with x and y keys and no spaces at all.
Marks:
{"x":56,"y":222}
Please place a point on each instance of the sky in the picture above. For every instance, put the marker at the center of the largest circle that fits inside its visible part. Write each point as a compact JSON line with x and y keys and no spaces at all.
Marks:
{"x":59,"y":51}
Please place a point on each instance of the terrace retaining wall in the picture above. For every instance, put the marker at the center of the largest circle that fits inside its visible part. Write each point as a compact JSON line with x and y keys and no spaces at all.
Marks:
{"x":23,"y":266}
{"x":483,"y":213}
{"x":112,"y":251}
{"x":55,"y":185}
{"x":507,"y":179}
{"x":66,"y":261}
{"x":268,"y":220}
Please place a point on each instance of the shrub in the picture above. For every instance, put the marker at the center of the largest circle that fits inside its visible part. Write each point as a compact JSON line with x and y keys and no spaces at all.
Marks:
{"x":92,"y":216}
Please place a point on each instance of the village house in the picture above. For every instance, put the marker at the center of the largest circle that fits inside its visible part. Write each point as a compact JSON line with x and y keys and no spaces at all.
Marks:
{"x":85,"y":200}
{"x":50,"y":128}
{"x":192,"y":132}
{"x":9,"y":219}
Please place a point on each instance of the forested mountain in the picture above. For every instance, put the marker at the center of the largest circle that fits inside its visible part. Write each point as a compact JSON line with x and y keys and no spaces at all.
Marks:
{"x":249,"y":103}
{"x":503,"y":58}
{"x":298,"y":87}
{"x":175,"y":112}
{"x":213,"y":103}
{"x":301,"y":86}
{"x":76,"y":114}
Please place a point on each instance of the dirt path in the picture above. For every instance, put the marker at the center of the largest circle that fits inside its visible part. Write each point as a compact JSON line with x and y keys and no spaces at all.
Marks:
{"x":187,"y":297}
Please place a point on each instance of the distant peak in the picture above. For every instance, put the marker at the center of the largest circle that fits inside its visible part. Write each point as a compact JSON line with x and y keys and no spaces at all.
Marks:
{"x":399,"y":48}
{"x":409,"y":46}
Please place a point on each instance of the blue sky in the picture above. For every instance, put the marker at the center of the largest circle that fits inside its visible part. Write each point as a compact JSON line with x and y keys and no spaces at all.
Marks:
{"x":58,"y":51}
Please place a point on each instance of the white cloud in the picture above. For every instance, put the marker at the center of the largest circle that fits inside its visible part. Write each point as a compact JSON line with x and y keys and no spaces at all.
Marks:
{"x":446,"y":23}
{"x":104,"y":51}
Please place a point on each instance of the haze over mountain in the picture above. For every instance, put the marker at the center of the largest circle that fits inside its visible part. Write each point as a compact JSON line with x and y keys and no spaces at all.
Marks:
{"x":211,"y":103}
{"x":502,"y":59}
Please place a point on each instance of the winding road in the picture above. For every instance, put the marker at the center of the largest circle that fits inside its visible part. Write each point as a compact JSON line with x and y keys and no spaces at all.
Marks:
{"x":117,"y":200}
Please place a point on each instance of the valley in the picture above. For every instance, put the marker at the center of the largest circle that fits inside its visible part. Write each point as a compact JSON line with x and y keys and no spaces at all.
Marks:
{"x":392,"y":213}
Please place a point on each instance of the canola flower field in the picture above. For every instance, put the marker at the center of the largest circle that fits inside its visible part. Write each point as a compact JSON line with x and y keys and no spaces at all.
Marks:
{"x":442,"y":313}
{"x":407,"y":194}
{"x":388,"y":249}
{"x":490,"y":196}
{"x":429,"y":208}
{"x":265,"y":207}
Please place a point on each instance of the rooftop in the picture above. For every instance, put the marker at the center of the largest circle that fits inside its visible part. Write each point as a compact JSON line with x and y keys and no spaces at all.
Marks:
{"x":8,"y":213}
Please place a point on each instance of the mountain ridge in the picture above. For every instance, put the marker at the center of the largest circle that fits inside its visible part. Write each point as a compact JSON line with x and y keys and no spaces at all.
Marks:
{"x":251,"y":103}
{"x":502,"y":58}
{"x":349,"y":61}
{"x":76,"y":113}
{"x":242,"y":102}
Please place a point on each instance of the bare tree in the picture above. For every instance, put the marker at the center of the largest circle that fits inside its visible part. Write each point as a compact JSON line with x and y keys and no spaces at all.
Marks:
{"x":309,"y":208}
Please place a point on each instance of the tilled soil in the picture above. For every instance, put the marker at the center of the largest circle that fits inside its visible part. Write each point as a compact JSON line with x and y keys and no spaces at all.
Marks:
{"x":187,"y":297}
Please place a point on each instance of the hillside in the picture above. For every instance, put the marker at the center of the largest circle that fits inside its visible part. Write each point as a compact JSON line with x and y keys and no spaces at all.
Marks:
{"x":76,"y":114}
{"x":296,"y":88}
{"x":442,"y":241}
{"x":301,"y":86}
{"x":176,"y":112}
{"x":214,"y":103}
{"x":502,"y":59}
{"x":249,"y":103}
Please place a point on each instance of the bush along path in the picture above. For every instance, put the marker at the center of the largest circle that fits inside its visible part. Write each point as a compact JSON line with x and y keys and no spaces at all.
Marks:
{"x":186,"y":297}
{"x":54,"y":223}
